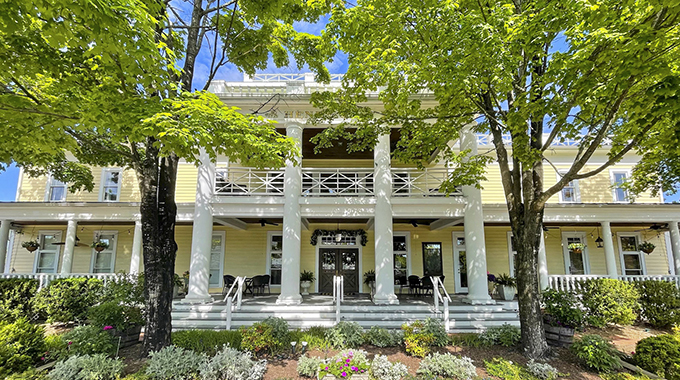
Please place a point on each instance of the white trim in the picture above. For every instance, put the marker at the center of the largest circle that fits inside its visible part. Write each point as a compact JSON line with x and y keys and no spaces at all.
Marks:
{"x":20,"y":180}
{"x":316,"y":262}
{"x":49,"y":186}
{"x":511,"y":256}
{"x":10,"y":252}
{"x":223,"y":236}
{"x":456,"y":263}
{"x":102,"y":179}
{"x":612,"y":171}
{"x":622,"y":263}
{"x":112,"y":247}
{"x":57,"y":235}
{"x":669,"y":253}
{"x":577,"y":190}
{"x":407,"y":234}
{"x":567,"y":254}
{"x":268,"y":267}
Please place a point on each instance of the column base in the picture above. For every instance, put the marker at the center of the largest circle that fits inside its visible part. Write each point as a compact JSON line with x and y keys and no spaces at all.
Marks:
{"x":479,"y":300}
{"x":385,"y":299}
{"x":197,"y":299}
{"x":289,"y":299}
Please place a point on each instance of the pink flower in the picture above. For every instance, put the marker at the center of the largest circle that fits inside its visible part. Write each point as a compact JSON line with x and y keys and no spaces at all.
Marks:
{"x":344,"y":374}
{"x":326,"y":369}
{"x":108,"y":328}
{"x":70,"y":343}
{"x":354,"y":368}
{"x":349,"y":360}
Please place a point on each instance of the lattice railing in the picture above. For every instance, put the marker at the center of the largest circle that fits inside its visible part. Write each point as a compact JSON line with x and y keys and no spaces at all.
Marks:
{"x":337,"y":182}
{"x":414,"y":182}
{"x":247,"y":181}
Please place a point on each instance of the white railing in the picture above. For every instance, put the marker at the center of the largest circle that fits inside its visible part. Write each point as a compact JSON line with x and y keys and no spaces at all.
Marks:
{"x":487,"y":140}
{"x":337,"y":182}
{"x":338,"y":294}
{"x":291,"y":77}
{"x":229,"y":299}
{"x":572,"y":283}
{"x":248,"y":181}
{"x":44,"y":279}
{"x":440,"y":294}
{"x":415,"y":182}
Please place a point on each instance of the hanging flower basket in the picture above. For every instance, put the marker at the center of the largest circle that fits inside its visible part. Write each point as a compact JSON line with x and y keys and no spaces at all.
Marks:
{"x":30,"y":245}
{"x":576,"y":248}
{"x":647,"y":247}
{"x":100,"y":245}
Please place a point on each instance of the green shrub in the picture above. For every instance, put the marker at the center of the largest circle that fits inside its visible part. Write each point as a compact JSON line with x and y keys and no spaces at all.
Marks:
{"x":89,"y":340}
{"x":345,"y":335}
{"x":505,"y":335}
{"x":174,"y":363}
{"x":622,"y":376}
{"x":447,"y":366}
{"x":659,"y":303}
{"x":279,"y":331}
{"x":68,"y":299}
{"x":659,"y":354}
{"x":505,"y":369}
{"x":232,"y":364}
{"x":206,"y":341}
{"x":125,"y":288}
{"x":16,"y":298}
{"x":435,"y":327}
{"x":21,"y":345}
{"x":308,"y":366}
{"x":416,"y":340}
{"x":381,"y":337}
{"x":86,"y":367}
{"x":31,"y":374}
{"x":113,"y":313}
{"x":466,"y":340}
{"x":596,"y":353}
{"x":563,"y":307}
{"x":607,"y":301}
{"x":382,"y":369}
{"x":542,"y":371}
{"x":55,"y":348}
{"x":257,"y":338}
{"x":314,"y":336}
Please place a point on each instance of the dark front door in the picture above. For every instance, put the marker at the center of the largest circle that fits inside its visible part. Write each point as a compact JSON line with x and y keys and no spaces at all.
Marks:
{"x":342,"y":262}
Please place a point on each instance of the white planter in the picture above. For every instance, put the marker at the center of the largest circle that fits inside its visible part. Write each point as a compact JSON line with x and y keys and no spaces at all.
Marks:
{"x":305,"y":287}
{"x":509,"y":292}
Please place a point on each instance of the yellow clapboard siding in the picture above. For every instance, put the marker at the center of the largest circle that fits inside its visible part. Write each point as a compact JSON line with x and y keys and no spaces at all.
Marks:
{"x":187,"y":174}
{"x":32,"y":189}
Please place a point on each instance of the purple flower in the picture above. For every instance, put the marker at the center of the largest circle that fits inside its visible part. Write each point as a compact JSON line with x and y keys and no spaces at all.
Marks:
{"x":108,"y":328}
{"x":349,"y":360}
{"x":70,"y":343}
{"x":326,"y":369}
{"x":354,"y":368}
{"x":346,"y":365}
{"x":344,"y":374}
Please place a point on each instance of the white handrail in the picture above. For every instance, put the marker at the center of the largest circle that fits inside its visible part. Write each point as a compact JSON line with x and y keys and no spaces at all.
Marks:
{"x":338,"y":294}
{"x":438,"y":286}
{"x":229,"y":298}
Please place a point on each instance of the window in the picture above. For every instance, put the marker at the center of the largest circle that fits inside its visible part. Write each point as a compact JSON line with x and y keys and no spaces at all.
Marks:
{"x":432,"y":259}
{"x":576,"y":259}
{"x":619,"y":178}
{"x":570,"y":192}
{"x":56,"y":190}
{"x":460,"y":262}
{"x":400,"y":247}
{"x":632,"y":261}
{"x":111,"y":181}
{"x":103,"y":262}
{"x":47,"y":256}
{"x":512,"y":254}
{"x":275,"y":257}
{"x":216,"y":260}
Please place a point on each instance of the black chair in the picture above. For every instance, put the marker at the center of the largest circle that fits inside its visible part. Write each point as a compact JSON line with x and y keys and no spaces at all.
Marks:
{"x":267,"y":279}
{"x":426,"y":285}
{"x":402,"y":281}
{"x":228,"y":280}
{"x":259,"y":283}
{"x":414,"y":285}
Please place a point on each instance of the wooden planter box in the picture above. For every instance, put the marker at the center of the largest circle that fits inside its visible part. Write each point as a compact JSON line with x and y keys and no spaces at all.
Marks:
{"x":127,"y":337}
{"x":363,"y":376}
{"x":559,"y":336}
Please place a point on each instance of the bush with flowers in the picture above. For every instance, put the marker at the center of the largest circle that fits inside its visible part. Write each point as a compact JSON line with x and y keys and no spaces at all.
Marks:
{"x":89,"y":340}
{"x":345,"y":364}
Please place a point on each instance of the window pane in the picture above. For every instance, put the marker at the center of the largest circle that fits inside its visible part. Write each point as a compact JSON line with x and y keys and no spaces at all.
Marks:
{"x":215,"y":260}
{"x":619,"y":178}
{"x":629,"y":243}
{"x":620,"y":195}
{"x":102,"y":262}
{"x":48,"y":242}
{"x":400,"y":270}
{"x":632,"y":261}
{"x":275,"y":276}
{"x":432,"y":259}
{"x":57,"y":193}
{"x":568,"y":194}
{"x":277,"y":243}
{"x":47,"y":260}
{"x":112,"y":178}
{"x":111,"y":193}
{"x":462,"y":266}
{"x":399,"y":243}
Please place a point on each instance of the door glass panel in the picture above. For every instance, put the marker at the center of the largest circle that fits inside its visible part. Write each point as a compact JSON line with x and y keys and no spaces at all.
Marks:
{"x":576,"y":261}
{"x":462,"y":267}
{"x":328,"y":260}
{"x":432,"y":259}
{"x":46,"y":262}
{"x":215,"y":260}
{"x":349,"y":260}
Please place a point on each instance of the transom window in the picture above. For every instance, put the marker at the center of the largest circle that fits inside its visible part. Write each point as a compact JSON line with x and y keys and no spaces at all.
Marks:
{"x":56,"y":190}
{"x":111,"y":181}
{"x":344,"y":240}
{"x":618,"y":179}
{"x":400,"y":249}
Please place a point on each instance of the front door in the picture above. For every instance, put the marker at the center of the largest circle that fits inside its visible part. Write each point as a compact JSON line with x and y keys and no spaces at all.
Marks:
{"x":575,"y":260}
{"x":342,"y":262}
{"x":460,"y":262}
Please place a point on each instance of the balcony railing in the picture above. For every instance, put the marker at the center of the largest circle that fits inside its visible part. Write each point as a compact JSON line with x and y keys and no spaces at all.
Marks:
{"x":337,"y":182}
{"x":247,"y":181}
{"x":414,"y":182}
{"x":572,"y":283}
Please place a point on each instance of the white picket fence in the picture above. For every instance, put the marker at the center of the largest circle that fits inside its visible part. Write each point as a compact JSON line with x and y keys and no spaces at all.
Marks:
{"x":44,"y":279}
{"x":575,"y":282}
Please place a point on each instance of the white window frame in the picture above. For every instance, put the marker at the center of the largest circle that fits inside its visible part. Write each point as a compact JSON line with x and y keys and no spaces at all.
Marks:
{"x":456,"y":262}
{"x":268,"y":268}
{"x":223,"y":236}
{"x":57,"y":234}
{"x":577,"y":191}
{"x":48,"y":189}
{"x":408,"y":252}
{"x":643,"y":265}
{"x":511,"y":255}
{"x":613,"y":183}
{"x":112,"y":248}
{"x":102,"y":183}
{"x":567,"y":253}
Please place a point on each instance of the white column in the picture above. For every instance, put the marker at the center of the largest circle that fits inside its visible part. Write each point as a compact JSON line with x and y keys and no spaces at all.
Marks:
{"x":4,"y":239}
{"x":69,"y":245}
{"x":292,"y":227}
{"x":609,"y":256}
{"x":201,"y":236}
{"x":542,"y":264}
{"x":675,"y":244}
{"x":136,"y":256}
{"x":478,"y":287}
{"x":384,"y":254}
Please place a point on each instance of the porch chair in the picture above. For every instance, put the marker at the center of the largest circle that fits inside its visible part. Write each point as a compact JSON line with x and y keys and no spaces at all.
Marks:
{"x":259,"y":283}
{"x":414,"y":285}
{"x":426,"y":285}
{"x":228,"y":282}
{"x":402,"y":281}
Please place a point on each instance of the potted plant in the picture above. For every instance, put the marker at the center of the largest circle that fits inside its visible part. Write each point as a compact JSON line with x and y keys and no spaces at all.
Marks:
{"x":647,"y":247}
{"x":306,"y":279}
{"x":30,"y":245}
{"x":100,"y":245}
{"x":369,"y":280}
{"x":491,"y":279}
{"x":562,"y":315}
{"x":507,"y":286}
{"x":185,"y":280}
{"x":576,"y":248}
{"x":178,"y":284}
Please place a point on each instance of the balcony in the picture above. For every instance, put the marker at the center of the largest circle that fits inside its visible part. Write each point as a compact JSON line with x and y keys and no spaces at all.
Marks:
{"x":328,"y":182}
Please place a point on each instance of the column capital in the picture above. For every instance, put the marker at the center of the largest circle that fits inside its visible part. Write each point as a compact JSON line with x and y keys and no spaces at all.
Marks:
{"x":294,"y":127}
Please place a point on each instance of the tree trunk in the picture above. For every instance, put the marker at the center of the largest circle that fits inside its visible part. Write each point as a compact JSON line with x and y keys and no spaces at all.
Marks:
{"x":158,"y":213}
{"x":526,"y":231}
